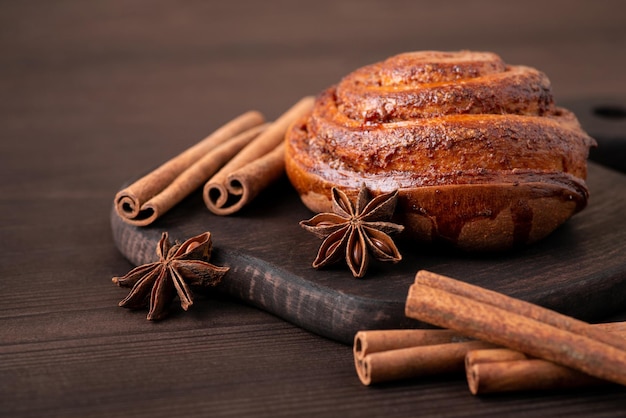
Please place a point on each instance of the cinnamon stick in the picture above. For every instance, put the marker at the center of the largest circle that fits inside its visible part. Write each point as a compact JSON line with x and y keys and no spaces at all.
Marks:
{"x":375,"y":341}
{"x":506,"y":370}
{"x":385,"y":355}
{"x":513,"y":305}
{"x":521,"y":326}
{"x":151,"y":196}
{"x":381,"y":356}
{"x":254,"y":168}
{"x":493,"y":370}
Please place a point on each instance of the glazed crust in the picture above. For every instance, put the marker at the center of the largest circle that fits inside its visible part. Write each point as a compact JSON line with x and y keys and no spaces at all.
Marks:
{"x":481,"y":156}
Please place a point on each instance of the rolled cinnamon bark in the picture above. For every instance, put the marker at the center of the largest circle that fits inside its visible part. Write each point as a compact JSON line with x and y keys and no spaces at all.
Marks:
{"x":412,"y":362}
{"x":489,"y":298}
{"x":384,"y":355}
{"x":375,"y":341}
{"x":521,"y":326}
{"x":151,"y":196}
{"x":504,"y":370}
{"x":254,"y":168}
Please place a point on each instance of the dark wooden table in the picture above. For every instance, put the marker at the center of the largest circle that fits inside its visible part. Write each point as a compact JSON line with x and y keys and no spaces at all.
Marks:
{"x":94,"y":93}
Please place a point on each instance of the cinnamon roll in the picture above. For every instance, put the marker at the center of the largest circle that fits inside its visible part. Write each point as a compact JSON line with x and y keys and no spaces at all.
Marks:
{"x":480,"y":154}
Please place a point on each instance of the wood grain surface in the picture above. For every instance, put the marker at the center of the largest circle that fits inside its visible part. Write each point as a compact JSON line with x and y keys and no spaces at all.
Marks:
{"x":95,"y":93}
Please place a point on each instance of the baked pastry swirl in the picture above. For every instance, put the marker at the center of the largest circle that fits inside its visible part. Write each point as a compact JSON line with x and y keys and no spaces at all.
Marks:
{"x":480,"y":154}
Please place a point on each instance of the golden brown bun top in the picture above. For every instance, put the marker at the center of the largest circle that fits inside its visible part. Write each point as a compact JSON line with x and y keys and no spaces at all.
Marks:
{"x":430,"y":83}
{"x":432,"y":118}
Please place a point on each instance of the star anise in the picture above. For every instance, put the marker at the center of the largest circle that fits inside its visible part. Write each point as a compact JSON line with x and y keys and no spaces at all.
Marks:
{"x":356,"y":232}
{"x":179,"y":267}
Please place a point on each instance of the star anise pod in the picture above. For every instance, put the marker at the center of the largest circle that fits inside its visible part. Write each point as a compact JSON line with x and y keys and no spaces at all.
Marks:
{"x":179,"y":267}
{"x":356,"y":232}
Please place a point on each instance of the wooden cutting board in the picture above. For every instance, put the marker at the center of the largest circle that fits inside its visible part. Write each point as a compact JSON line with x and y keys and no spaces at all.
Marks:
{"x":579,"y":270}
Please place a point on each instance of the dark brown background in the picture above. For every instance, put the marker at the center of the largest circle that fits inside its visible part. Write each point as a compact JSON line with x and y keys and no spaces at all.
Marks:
{"x":95,"y":93}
